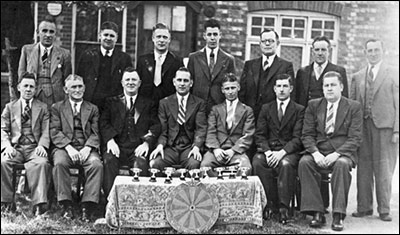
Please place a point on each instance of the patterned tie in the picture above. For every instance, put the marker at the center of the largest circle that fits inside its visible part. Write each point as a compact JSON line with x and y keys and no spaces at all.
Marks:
{"x":132,"y":107}
{"x":157,"y":72}
{"x":26,"y":115}
{"x":45,"y":56}
{"x":230,"y":115}
{"x":212,"y":60}
{"x":330,"y":123}
{"x":280,"y":112}
{"x":75,"y":109}
{"x":371,"y":75}
{"x":265,"y":66}
{"x":181,"y":113}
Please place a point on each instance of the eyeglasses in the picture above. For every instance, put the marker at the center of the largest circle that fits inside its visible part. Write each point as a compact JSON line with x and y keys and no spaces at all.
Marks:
{"x":270,"y":41}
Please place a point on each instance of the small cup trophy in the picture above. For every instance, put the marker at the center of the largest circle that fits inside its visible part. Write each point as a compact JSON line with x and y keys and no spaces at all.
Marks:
{"x":232,"y":173}
{"x":204,"y":169}
{"x":168,"y":171}
{"x":182,"y":171}
{"x":136,"y":171}
{"x":219,"y":170}
{"x":153,"y":172}
{"x":196,"y":173}
{"x":243,"y":170}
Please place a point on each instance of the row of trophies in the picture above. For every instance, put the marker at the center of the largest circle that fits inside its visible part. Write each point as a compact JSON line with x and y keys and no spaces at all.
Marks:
{"x":195,"y":173}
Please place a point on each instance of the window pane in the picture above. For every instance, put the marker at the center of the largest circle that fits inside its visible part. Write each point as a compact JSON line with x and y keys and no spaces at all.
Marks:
{"x":270,"y":22}
{"x":150,"y":11}
{"x":315,"y":34}
{"x":164,"y":15}
{"x":255,"y":31}
{"x":287,"y":22}
{"x":256,"y":21}
{"x":110,"y":14}
{"x":86,"y":25}
{"x":329,"y":35}
{"x":179,"y":18}
{"x":317,"y":24}
{"x":329,"y":25}
{"x":286,"y":33}
{"x":299,"y":23}
{"x":293,"y":54}
{"x":299,"y":33}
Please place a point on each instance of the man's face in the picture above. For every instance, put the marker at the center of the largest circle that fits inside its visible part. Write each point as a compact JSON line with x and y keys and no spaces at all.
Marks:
{"x":212,"y":37}
{"x":75,"y":89}
{"x":47,"y":33}
{"x":182,"y":82}
{"x":108,"y":38}
{"x":230,"y":90}
{"x":282,"y":89}
{"x":332,"y":88}
{"x":161,"y":39}
{"x":131,"y":83}
{"x":374,"y":52}
{"x":320,"y":52}
{"x":27,"y":88}
{"x":268,"y":43}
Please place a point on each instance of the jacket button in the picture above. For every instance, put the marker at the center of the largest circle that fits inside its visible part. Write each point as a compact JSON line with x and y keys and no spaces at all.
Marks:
{"x":95,"y":79}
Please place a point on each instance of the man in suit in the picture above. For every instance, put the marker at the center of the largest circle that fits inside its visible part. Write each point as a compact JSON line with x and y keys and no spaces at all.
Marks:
{"x":376,"y":87}
{"x":331,"y":135}
{"x":102,"y":67}
{"x":50,"y":63}
{"x":157,"y":69}
{"x":259,"y":75}
{"x":129,"y":128}
{"x":209,"y":66}
{"x":230,"y":130}
{"x":184,"y":126}
{"x":25,"y":139}
{"x":278,"y":143}
{"x":74,"y":133}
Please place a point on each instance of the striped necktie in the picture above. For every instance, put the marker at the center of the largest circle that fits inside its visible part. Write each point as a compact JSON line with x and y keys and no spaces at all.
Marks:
{"x":330,"y":122}
{"x":230,"y":115}
{"x":45,"y":56}
{"x":181,"y":113}
{"x":26,"y":115}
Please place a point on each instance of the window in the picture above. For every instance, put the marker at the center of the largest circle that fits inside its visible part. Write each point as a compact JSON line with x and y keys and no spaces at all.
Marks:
{"x":296,"y":29}
{"x":172,"y":16}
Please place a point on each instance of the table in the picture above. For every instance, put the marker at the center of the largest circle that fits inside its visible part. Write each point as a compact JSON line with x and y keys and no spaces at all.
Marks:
{"x":142,"y":204}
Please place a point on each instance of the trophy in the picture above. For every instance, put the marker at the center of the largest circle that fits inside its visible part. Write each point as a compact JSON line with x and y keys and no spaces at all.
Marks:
{"x":219,"y":170}
{"x":196,"y":173}
{"x":182,"y":171}
{"x":243,"y":170}
{"x":153,"y":172}
{"x":232,"y":174}
{"x":136,"y":171}
{"x":204,"y":169}
{"x":168,"y":171}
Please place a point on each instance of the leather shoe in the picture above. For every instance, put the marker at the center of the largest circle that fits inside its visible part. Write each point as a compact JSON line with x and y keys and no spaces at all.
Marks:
{"x":267,"y":213}
{"x":360,"y":214}
{"x":318,"y":220}
{"x":8,"y":207}
{"x":337,"y":222}
{"x":67,"y":213}
{"x":385,"y":217}
{"x":283,"y":215}
{"x":39,"y":209}
{"x":85,"y":215}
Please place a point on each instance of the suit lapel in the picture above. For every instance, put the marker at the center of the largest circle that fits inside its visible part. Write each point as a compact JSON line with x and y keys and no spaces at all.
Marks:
{"x":321,"y":114}
{"x":173,"y":106}
{"x":66,"y":111}
{"x":139,"y":107}
{"x":256,"y":67}
{"x":221,"y":59}
{"x":380,"y":77}
{"x":17,"y":110}
{"x":55,"y":59}
{"x":202,"y":57}
{"x":308,"y":77}
{"x":274,"y":68}
{"x":238,"y":116}
{"x":342,"y":110}
{"x":85,"y":113}
{"x":35,"y":113}
{"x":169,"y":59}
{"x":115,"y":60}
{"x":289,"y":112}
{"x":274,"y":113}
{"x":222,"y":113}
{"x":190,"y":107}
{"x":121,"y":107}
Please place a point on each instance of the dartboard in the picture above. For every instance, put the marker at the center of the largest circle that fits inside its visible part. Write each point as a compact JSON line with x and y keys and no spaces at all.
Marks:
{"x":191,"y":208}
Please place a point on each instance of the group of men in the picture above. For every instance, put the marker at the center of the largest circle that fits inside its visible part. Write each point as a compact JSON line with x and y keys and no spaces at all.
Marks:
{"x":165,"y":114}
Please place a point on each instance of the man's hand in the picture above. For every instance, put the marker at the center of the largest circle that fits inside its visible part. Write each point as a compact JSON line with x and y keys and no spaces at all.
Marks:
{"x":41,"y":151}
{"x":9,"y":152}
{"x":84,"y":153}
{"x":73,"y":153}
{"x":229,"y":154}
{"x":275,"y":158}
{"x":142,"y":150}
{"x":319,"y":159}
{"x":113,"y":148}
{"x":395,"y":138}
{"x":331,"y":158}
{"x":158,"y":150}
{"x":219,"y":154}
{"x":196,"y":153}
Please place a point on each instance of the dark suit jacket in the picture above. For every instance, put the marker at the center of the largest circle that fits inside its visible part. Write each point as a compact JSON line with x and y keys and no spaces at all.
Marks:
{"x":11,"y":123}
{"x":303,"y":77}
{"x":59,"y":70}
{"x":62,"y":124}
{"x":146,"y":67}
{"x":385,"y":105}
{"x":274,"y":135}
{"x":113,"y":118}
{"x":207,"y":86}
{"x":89,"y":65}
{"x":195,"y":120}
{"x":241,"y":133}
{"x":346,"y":137}
{"x":255,"y":96}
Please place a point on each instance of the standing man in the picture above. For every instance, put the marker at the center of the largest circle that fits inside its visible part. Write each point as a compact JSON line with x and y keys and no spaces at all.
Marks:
{"x":209,"y":66}
{"x":376,"y":87}
{"x":25,"y":139}
{"x":230,"y":129}
{"x":331,"y":135}
{"x":50,"y":63}
{"x":102,"y":67}
{"x":278,"y":143}
{"x":184,"y":127}
{"x":259,"y":75}
{"x":74,"y":132}
{"x":157,"y":69}
{"x":129,"y":127}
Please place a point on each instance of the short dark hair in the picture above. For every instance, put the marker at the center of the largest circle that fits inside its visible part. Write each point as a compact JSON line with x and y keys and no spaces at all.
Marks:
{"x":27,"y":75}
{"x":332,"y":74}
{"x":372,"y":40}
{"x":212,"y":23}
{"x":270,"y":30}
{"x":321,"y":38}
{"x":109,"y":25}
{"x":284,"y":76}
{"x":161,"y":26}
{"x":129,"y":69}
{"x":183,"y":69}
{"x":229,"y":77}
{"x":49,"y":18}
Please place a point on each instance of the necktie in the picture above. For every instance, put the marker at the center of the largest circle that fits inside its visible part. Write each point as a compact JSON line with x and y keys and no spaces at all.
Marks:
{"x":75,"y":109}
{"x":107,"y":53}
{"x":230,"y":115}
{"x":212,"y":61}
{"x":319,"y":71}
{"x":330,"y":122}
{"x":265,"y":66}
{"x":45,"y":56}
{"x":280,"y":112}
{"x":157,"y":73}
{"x":132,"y":107}
{"x":26,"y":115}
{"x":371,"y":74}
{"x":181,"y":112}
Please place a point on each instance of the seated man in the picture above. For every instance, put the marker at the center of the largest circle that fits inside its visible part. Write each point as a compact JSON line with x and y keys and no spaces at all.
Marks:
{"x":25,"y":139}
{"x":184,"y":126}
{"x":278,"y":143}
{"x":129,"y":126}
{"x":75,"y":134}
{"x":331,"y":136}
{"x":230,"y":129}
